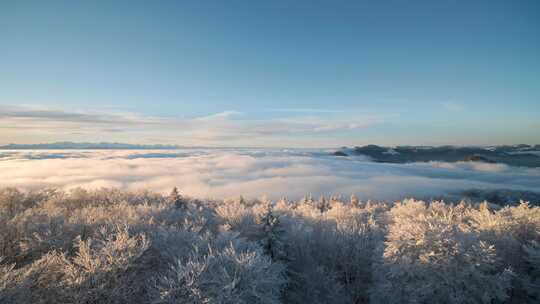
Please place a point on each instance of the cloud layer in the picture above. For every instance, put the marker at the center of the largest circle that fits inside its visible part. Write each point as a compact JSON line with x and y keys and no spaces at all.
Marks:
{"x":223,"y":173}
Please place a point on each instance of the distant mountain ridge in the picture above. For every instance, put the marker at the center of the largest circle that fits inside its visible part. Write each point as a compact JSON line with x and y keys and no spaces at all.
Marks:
{"x":67,"y":145}
{"x":516,"y":155}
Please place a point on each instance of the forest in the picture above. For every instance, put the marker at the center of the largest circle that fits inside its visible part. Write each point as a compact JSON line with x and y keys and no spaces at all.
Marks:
{"x":114,"y":246}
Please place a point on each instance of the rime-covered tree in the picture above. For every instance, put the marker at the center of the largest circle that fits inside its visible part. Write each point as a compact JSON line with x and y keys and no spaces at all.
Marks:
{"x":334,"y":199}
{"x":307,"y":200}
{"x":532,"y":282}
{"x":176,"y":199}
{"x":272,"y":233}
{"x":323,"y":204}
{"x":355,"y":202}
{"x":238,"y":272}
{"x":432,"y":256}
{"x":138,"y":247}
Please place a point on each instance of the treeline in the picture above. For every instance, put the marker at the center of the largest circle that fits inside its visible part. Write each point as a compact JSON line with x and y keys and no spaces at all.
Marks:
{"x":110,"y":246}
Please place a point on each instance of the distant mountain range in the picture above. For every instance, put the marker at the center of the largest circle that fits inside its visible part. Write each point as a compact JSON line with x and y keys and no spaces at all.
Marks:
{"x":76,"y":146}
{"x":515,"y":155}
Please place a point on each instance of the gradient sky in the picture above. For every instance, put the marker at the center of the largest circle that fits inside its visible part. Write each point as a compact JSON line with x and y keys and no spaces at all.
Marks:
{"x":270,"y":73}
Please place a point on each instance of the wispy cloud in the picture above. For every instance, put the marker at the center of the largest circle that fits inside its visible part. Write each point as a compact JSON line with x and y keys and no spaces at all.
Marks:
{"x":34,"y":114}
{"x":304,"y":110}
{"x":223,"y":128}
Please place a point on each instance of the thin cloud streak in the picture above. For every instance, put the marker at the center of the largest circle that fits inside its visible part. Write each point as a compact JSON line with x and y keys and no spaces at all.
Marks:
{"x":304,"y":110}
{"x":223,"y":128}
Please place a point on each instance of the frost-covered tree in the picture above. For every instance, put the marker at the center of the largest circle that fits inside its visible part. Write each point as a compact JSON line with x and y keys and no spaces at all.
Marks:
{"x":272,"y":234}
{"x":323,"y":204}
{"x":112,"y":246}
{"x":511,"y":230}
{"x":176,"y":199}
{"x":6,"y":278}
{"x":354,"y":201}
{"x":431,"y":255}
{"x":532,"y":281}
{"x":99,"y":272}
{"x":236,"y":273}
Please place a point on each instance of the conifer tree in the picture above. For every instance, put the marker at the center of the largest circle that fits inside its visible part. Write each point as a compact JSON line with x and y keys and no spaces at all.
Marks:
{"x":307,"y":200}
{"x":176,"y":199}
{"x":272,"y":240}
{"x":323,"y":204}
{"x":355,"y":202}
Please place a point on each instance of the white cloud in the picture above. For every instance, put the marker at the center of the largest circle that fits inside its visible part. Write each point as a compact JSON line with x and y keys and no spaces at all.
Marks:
{"x":228,"y":128}
{"x":227,"y":173}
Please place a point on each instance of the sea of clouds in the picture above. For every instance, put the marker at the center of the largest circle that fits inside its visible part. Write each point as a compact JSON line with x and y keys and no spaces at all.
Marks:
{"x":225,"y":173}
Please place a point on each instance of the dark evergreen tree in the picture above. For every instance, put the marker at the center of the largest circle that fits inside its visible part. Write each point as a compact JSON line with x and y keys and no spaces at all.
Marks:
{"x":176,"y":199}
{"x":323,"y":204}
{"x":273,"y":233}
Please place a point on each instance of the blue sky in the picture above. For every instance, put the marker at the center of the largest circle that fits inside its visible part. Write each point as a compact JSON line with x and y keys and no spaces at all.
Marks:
{"x":270,"y":73}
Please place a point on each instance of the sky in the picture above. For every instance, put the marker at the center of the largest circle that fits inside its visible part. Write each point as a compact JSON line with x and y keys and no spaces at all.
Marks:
{"x":270,"y":73}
